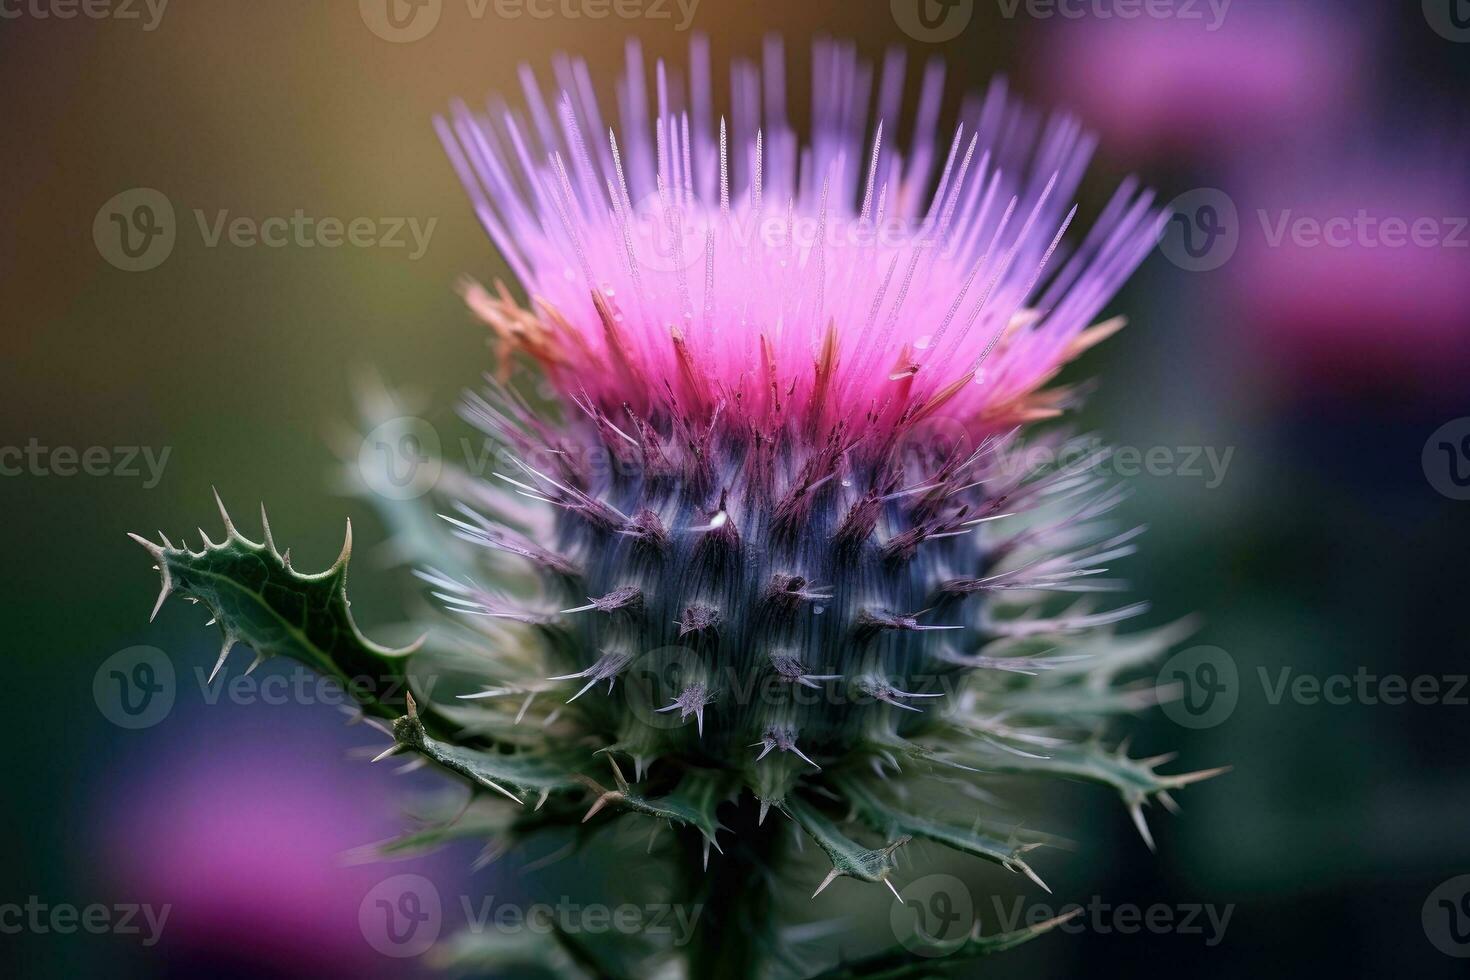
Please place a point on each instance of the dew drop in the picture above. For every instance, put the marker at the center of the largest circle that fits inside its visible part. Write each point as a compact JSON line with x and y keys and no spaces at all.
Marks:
{"x":923,"y":342}
{"x":818,"y":610}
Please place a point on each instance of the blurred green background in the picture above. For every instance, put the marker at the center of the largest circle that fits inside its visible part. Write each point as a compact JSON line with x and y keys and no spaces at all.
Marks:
{"x":1325,"y":547}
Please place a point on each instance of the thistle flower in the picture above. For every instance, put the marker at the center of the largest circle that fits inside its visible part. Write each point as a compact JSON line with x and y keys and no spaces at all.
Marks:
{"x":797,"y":548}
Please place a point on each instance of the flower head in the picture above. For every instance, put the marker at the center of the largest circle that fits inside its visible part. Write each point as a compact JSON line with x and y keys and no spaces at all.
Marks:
{"x":842,"y":277}
{"x":788,"y":554}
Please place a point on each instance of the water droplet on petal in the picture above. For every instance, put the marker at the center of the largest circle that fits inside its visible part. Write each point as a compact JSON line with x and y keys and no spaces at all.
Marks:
{"x":923,"y":342}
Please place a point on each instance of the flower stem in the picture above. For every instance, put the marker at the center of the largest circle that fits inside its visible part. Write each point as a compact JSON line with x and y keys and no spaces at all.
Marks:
{"x":736,"y":936}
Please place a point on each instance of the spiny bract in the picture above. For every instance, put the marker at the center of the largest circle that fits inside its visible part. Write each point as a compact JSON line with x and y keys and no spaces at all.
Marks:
{"x":796,"y":545}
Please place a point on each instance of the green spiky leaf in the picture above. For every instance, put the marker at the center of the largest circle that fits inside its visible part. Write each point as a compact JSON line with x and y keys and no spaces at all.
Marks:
{"x":258,"y":599}
{"x":849,"y":858}
{"x":1134,"y":779}
{"x":516,"y":775}
{"x":893,"y":822}
{"x":691,"y":804}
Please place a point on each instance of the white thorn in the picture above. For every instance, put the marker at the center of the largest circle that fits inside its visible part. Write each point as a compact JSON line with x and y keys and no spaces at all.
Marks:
{"x":223,"y":653}
{"x":802,"y":755}
{"x":265,"y":526}
{"x":346,"y":554}
{"x":390,"y":750}
{"x":1026,"y":870}
{"x":157,"y":552}
{"x":501,"y":789}
{"x":1138,"y":821}
{"x":224,"y":515}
